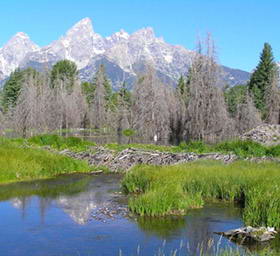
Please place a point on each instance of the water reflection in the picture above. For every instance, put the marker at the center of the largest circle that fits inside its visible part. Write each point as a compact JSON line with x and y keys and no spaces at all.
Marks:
{"x":54,"y":217}
{"x":76,"y":195}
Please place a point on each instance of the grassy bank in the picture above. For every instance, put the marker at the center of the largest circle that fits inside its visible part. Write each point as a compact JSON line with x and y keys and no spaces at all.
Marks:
{"x":240,"y":148}
{"x":19,"y":162}
{"x":175,"y":189}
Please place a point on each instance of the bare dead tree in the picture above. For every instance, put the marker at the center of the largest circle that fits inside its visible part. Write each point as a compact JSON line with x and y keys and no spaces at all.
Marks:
{"x":207,"y":116}
{"x":150,"y":111}
{"x":98,"y":115}
{"x":177,"y":106}
{"x":272,"y":98}
{"x":123,"y":111}
{"x":247,"y":115}
{"x":75,"y":107}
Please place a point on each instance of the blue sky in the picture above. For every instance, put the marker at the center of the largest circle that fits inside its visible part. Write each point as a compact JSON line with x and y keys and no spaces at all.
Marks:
{"x":239,"y":27}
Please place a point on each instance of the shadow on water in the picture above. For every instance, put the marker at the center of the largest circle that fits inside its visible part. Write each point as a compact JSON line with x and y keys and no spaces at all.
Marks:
{"x":82,"y":215}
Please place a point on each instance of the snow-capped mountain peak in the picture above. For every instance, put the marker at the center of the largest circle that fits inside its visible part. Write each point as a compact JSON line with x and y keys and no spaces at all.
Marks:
{"x":124,"y":53}
{"x":14,"y":51}
{"x":20,"y":41}
{"x":79,"y":44}
{"x":21,"y":35}
{"x":82,"y":27}
{"x":145,"y":33}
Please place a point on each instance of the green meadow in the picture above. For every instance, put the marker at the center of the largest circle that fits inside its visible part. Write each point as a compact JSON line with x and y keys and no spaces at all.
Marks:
{"x":20,"y":162}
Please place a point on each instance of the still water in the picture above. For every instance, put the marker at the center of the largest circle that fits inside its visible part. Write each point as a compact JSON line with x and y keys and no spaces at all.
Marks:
{"x":86,"y":215}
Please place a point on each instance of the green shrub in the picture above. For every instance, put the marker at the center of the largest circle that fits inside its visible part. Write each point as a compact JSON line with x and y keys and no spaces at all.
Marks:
{"x":242,"y":148}
{"x":195,"y":146}
{"x":128,"y":132}
{"x":273,"y":151}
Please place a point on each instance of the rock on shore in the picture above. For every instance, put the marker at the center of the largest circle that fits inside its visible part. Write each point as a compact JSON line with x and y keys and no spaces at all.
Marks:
{"x":249,"y":234}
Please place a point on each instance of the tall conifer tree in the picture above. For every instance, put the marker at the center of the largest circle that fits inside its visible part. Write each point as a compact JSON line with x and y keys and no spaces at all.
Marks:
{"x":262,"y":78}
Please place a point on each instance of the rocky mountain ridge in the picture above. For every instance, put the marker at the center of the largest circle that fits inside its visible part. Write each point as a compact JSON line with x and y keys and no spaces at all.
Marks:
{"x":123,"y":54}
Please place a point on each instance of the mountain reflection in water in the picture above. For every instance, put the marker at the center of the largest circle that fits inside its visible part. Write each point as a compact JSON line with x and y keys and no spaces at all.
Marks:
{"x":56,"y":217}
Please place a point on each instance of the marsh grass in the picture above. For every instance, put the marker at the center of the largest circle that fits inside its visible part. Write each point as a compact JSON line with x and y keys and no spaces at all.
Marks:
{"x":19,"y":162}
{"x":164,"y":190}
{"x":204,"y":249}
{"x":60,"y":143}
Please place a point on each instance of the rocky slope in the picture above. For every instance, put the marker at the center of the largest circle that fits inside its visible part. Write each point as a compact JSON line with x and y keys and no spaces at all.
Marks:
{"x":123,"y":54}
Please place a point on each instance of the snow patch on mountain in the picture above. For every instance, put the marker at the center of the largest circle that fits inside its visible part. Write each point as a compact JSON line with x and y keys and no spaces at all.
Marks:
{"x":122,"y":51}
{"x":14,"y":52}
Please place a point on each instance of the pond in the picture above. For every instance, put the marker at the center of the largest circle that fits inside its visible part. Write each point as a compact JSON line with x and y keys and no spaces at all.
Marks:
{"x":87,"y":215}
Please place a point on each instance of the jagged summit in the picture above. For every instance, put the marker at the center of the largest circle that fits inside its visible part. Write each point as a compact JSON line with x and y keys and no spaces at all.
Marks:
{"x":84,"y":22}
{"x":21,"y":35}
{"x":84,"y":25}
{"x":147,"y":33}
{"x":123,"y":53}
{"x":20,"y":40}
{"x":121,"y":34}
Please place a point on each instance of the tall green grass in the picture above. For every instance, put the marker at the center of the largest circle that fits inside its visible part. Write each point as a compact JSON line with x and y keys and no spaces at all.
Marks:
{"x":163,"y":190}
{"x":60,"y":143}
{"x":18,"y":162}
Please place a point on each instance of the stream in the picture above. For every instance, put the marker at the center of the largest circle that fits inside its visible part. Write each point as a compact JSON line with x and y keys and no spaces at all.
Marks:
{"x":85,"y":215}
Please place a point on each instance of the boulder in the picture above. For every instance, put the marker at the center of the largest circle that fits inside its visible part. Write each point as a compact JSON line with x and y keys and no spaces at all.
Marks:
{"x":249,"y":234}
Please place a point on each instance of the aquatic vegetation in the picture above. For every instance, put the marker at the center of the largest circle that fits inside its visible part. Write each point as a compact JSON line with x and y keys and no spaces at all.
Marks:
{"x":207,"y":249}
{"x":164,"y":190}
{"x":20,"y":162}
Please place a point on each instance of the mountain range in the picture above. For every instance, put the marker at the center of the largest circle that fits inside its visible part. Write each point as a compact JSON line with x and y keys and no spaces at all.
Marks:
{"x":122,"y":54}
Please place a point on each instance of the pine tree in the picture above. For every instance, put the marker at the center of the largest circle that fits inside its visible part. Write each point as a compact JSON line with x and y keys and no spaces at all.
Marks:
{"x":12,"y":87}
{"x":183,"y":89}
{"x":234,"y":96}
{"x":262,"y":78}
{"x":88,"y":89}
{"x":64,"y":74}
{"x":182,"y":86}
{"x":124,"y":96}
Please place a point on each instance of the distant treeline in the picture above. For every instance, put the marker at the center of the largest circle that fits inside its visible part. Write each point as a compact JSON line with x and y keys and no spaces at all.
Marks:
{"x":201,"y":107}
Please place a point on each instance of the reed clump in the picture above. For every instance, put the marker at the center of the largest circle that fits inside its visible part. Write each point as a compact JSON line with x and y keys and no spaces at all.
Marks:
{"x":163,"y":190}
